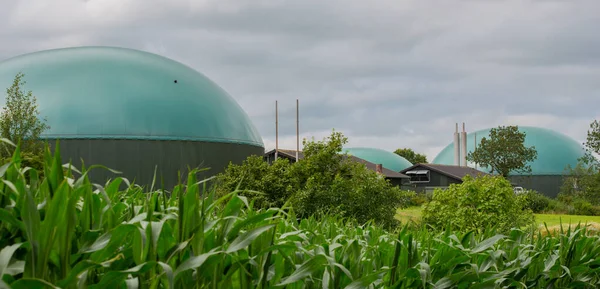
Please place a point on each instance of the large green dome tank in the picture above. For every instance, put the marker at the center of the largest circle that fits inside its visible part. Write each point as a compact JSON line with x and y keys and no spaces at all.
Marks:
{"x":554,"y":150}
{"x":387,"y":159}
{"x":107,"y":92}
{"x":131,"y":110}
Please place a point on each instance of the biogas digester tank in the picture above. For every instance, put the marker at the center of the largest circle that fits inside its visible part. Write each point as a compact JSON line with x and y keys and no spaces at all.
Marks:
{"x":133,"y":111}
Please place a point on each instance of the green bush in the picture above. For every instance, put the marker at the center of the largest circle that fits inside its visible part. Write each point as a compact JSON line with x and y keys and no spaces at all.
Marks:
{"x":477,"y":204}
{"x":418,"y":200}
{"x":584,"y":208}
{"x":267,"y":185}
{"x":535,"y":201}
{"x":323,"y":181}
{"x":364,"y":196}
{"x":557,"y":207}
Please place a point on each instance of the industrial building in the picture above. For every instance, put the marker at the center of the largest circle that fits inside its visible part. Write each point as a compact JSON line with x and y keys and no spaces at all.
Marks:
{"x":425,"y":178}
{"x":555,"y":151}
{"x":134,"y":111}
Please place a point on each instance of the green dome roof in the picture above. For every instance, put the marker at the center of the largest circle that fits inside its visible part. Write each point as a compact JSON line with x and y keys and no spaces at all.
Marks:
{"x":554,"y":150}
{"x":388,"y":160}
{"x":117,"y":93}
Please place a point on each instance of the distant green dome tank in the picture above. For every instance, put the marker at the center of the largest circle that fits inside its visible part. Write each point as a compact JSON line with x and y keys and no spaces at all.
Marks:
{"x":139,"y":107}
{"x":554,"y":150}
{"x":387,"y":159}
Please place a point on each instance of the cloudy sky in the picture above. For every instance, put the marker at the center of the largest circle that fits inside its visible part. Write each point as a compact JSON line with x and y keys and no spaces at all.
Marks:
{"x":386,"y":73}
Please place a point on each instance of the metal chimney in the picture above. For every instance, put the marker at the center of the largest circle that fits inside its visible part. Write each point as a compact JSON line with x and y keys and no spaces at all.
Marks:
{"x":276,"y":131}
{"x":297,"y":129}
{"x":475,"y":145}
{"x":456,"y":147}
{"x":463,"y":151}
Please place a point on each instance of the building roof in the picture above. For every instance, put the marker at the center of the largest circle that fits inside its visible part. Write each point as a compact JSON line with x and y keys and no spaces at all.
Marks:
{"x":291,"y":154}
{"x":456,"y":172}
{"x":388,"y":159}
{"x":555,"y":150}
{"x":118,"y":93}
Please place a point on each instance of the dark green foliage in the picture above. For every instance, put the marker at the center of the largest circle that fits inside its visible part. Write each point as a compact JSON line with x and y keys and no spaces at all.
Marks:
{"x":584,"y":208}
{"x":535,"y":201}
{"x":411,"y":156}
{"x":581,"y":182}
{"x":419,"y":199}
{"x":504,"y":151}
{"x":267,"y":185}
{"x":557,"y":207}
{"x":323,"y":181}
{"x":477,"y":204}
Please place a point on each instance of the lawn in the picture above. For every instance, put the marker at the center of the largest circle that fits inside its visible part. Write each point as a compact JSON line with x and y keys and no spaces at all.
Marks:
{"x":551,"y":220}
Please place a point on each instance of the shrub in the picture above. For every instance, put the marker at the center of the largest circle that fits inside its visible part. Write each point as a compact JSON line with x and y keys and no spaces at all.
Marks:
{"x":364,"y":196}
{"x":584,"y":208}
{"x":266,"y":185}
{"x":557,"y":207}
{"x":535,"y":201}
{"x":477,"y":204}
{"x":418,"y":200}
{"x":323,"y":181}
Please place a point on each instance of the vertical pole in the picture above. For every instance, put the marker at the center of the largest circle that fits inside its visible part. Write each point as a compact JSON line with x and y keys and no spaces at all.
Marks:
{"x":297,"y":129}
{"x":475,"y":145}
{"x":463,"y":144}
{"x":456,"y":147}
{"x":276,"y":131}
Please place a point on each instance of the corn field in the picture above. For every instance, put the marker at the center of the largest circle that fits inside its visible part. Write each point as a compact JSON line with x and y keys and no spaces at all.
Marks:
{"x":62,"y":231}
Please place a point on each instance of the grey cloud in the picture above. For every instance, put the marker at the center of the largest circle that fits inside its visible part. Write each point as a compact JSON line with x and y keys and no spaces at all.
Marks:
{"x":390,"y":71}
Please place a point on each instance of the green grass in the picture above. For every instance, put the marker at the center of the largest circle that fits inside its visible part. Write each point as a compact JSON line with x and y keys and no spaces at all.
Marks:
{"x":62,"y":231}
{"x":555,"y":219}
{"x":551,"y":220}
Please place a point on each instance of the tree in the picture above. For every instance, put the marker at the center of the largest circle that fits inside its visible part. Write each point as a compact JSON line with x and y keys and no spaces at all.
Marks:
{"x":504,"y":151}
{"x":592,"y":145}
{"x":411,"y":156}
{"x":324,"y":181}
{"x":19,"y":121}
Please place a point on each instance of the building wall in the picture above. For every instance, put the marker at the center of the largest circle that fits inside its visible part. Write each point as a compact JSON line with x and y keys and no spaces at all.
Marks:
{"x":435,"y":180}
{"x":137,"y":159}
{"x":548,"y":185}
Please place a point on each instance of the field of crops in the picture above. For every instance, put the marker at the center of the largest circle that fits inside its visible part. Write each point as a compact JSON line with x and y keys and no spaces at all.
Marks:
{"x":61,"y":231}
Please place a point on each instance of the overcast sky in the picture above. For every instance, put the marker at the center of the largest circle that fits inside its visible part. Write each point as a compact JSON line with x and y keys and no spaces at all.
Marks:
{"x":386,"y":73}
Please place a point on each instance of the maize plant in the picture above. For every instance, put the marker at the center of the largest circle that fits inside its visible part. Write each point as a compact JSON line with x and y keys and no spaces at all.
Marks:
{"x":62,"y":231}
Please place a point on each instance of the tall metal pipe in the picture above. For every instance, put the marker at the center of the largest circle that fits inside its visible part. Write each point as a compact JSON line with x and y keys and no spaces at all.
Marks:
{"x":463,"y":152}
{"x":456,"y":147}
{"x":297,"y":129}
{"x":276,"y":131}
{"x":475,"y":145}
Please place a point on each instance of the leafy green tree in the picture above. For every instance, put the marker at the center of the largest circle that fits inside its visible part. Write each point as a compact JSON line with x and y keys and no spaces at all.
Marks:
{"x":20,"y":122}
{"x":325,"y":180}
{"x":332,"y":182}
{"x":583,"y":181}
{"x":268,"y":185}
{"x":592,"y":145}
{"x":412,"y":156}
{"x":504,"y":151}
{"x":477,"y":204}
{"x":580,"y":182}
